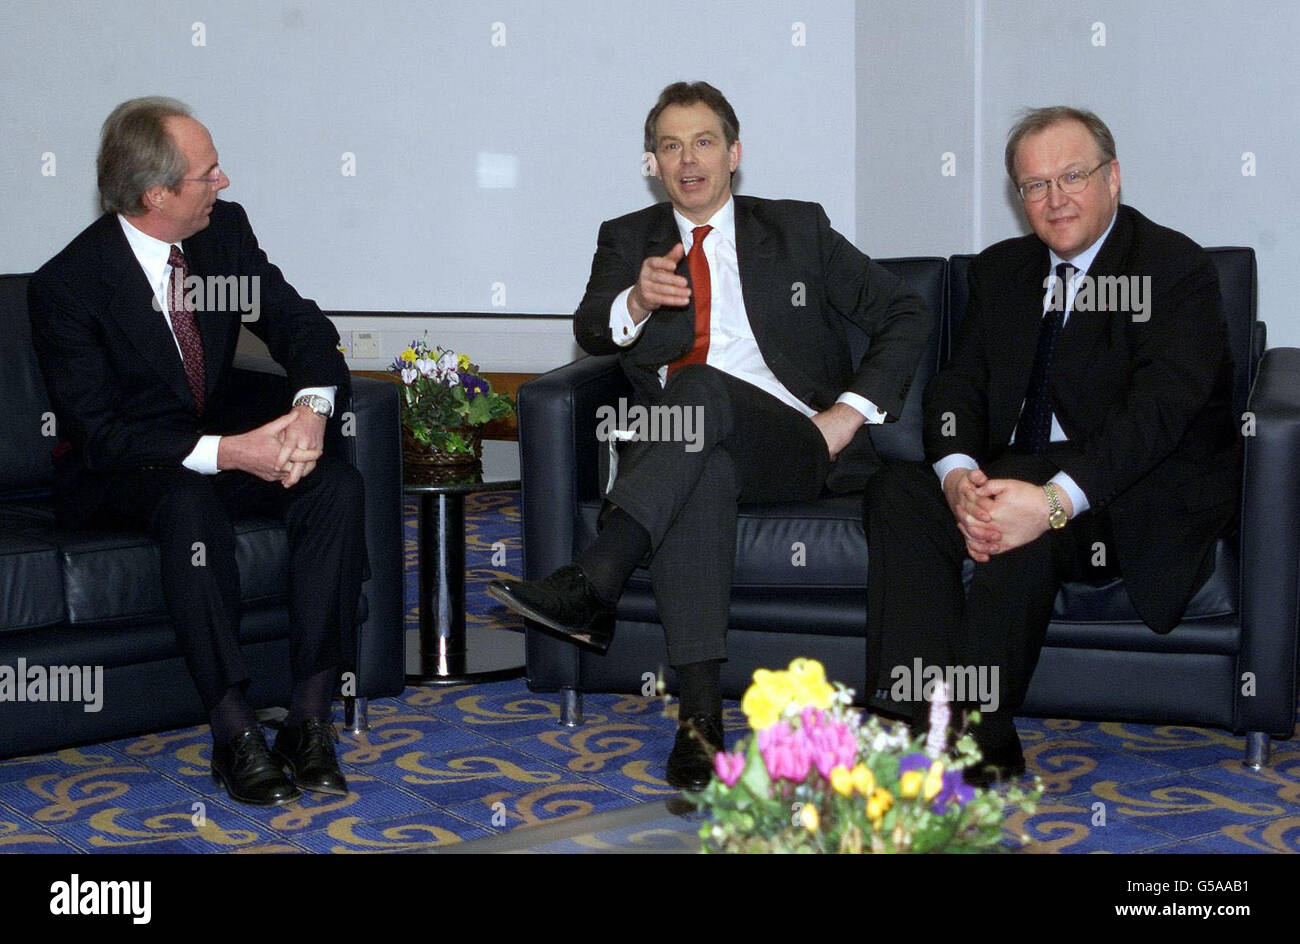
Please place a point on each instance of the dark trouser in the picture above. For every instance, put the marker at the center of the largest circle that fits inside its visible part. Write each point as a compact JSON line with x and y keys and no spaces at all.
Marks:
{"x":752,"y":448}
{"x":917,"y":606}
{"x":189,"y":515}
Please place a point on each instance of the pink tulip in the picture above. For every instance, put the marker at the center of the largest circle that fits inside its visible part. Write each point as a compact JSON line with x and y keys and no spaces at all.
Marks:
{"x":728,"y":767}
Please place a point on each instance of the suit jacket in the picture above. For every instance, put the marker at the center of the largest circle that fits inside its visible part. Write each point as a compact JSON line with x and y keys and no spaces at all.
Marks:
{"x":1146,"y":405}
{"x":111,"y":365}
{"x":780,"y":246}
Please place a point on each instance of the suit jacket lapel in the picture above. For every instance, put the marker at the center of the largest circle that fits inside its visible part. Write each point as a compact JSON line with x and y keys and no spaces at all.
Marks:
{"x":754,"y":253}
{"x":670,"y":332}
{"x":1085,"y":329}
{"x":1023,"y":307}
{"x":133,"y":309}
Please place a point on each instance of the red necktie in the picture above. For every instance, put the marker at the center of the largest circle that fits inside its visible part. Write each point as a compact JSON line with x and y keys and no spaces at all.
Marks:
{"x":186,"y":325}
{"x":702,"y":288}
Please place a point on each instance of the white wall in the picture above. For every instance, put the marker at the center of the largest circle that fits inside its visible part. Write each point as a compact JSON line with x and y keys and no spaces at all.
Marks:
{"x":1187,"y":87}
{"x":859,"y":118}
{"x":482,"y":170}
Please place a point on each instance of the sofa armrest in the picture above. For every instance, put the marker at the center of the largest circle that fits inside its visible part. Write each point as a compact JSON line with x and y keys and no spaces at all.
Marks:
{"x":1270,"y":540}
{"x":558,"y":455}
{"x":557,"y":463}
{"x":370,"y":436}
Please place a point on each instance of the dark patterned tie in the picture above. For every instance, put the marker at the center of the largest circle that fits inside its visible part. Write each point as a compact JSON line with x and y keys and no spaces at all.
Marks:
{"x":702,"y":290}
{"x":1034,"y":431}
{"x":186,"y":325}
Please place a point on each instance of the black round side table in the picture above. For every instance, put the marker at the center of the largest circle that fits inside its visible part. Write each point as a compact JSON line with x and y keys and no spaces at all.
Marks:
{"x":446,"y":652}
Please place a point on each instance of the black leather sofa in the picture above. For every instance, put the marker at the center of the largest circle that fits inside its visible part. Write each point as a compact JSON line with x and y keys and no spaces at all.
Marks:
{"x":94,"y":599}
{"x":1231,"y":663}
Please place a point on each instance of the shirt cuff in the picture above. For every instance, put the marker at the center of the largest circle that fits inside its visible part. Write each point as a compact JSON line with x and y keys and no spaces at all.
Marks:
{"x":203,"y":457}
{"x":957,"y":460}
{"x":326,"y":392}
{"x":621,"y":327}
{"x":1080,"y":501}
{"x":863,"y":406}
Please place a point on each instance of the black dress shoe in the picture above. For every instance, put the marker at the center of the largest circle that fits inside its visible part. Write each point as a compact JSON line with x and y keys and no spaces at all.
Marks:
{"x":245,"y":767}
{"x":307,"y":749}
{"x":564,"y":603}
{"x":1001,"y":757}
{"x":690,"y":765}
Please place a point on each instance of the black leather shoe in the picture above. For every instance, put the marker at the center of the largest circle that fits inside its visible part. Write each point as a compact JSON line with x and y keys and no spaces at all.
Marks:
{"x":690,"y":765}
{"x":307,"y":749}
{"x":564,"y":603}
{"x":1001,"y":760}
{"x":245,"y":767}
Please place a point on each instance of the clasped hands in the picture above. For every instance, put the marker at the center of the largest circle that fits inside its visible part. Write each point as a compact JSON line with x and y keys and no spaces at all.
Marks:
{"x":283,"y":450}
{"x":997,"y":515}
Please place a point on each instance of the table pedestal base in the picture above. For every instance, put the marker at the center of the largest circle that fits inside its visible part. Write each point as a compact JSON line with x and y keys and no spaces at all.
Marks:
{"x":445,"y":652}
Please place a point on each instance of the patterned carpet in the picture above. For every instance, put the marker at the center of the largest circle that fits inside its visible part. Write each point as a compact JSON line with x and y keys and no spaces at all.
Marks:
{"x":445,"y":766}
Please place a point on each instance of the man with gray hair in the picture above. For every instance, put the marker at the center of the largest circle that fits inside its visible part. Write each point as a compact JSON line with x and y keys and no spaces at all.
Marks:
{"x":138,"y":363}
{"x":1070,"y":416}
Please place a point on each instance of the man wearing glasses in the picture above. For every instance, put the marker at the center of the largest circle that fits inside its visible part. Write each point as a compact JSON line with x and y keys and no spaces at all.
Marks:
{"x":138,"y":363}
{"x":1082,"y":429}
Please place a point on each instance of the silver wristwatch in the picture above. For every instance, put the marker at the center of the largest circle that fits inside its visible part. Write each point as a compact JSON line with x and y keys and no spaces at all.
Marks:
{"x":317,"y":404}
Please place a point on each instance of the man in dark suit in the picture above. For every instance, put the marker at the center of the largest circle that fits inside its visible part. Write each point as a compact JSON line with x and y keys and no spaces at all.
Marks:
{"x":732,"y":310}
{"x":137,"y":359}
{"x":1082,"y":428}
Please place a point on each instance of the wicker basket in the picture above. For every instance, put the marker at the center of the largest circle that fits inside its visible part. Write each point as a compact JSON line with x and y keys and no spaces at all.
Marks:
{"x":421,"y":458}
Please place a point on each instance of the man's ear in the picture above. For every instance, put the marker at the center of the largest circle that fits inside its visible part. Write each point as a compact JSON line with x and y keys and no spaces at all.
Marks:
{"x":152,"y":199}
{"x":734,"y":155}
{"x":649,"y":165}
{"x":1112,"y":179}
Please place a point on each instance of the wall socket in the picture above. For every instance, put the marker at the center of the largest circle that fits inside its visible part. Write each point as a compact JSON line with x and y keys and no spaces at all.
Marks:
{"x":365,"y":344}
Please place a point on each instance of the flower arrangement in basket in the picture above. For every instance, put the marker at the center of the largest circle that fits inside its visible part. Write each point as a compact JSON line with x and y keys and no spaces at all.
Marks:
{"x":445,"y":404}
{"x":818,"y":777}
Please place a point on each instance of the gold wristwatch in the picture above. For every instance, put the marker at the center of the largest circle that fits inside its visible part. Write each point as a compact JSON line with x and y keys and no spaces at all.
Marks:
{"x":317,"y":404}
{"x":1056,"y":516}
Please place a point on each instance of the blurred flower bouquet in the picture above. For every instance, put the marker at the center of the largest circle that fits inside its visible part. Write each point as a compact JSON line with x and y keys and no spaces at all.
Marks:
{"x":445,"y":402}
{"x":818,"y":777}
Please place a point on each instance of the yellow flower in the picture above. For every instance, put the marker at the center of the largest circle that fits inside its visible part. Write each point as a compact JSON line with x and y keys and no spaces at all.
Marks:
{"x":807,"y":681}
{"x":758,"y":708}
{"x":864,"y":781}
{"x":878,"y":805}
{"x":842,"y":781}
{"x":462,"y":362}
{"x":766,"y":698}
{"x":909,"y":785}
{"x":409,"y":356}
{"x":933,"y":781}
{"x":808,"y":817}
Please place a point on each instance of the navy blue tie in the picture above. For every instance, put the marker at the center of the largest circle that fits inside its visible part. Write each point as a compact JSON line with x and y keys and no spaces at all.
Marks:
{"x":1034,"y":431}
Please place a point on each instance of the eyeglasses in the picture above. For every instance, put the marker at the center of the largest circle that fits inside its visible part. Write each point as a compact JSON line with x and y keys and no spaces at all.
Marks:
{"x":1074,"y":181}
{"x":211,"y":181}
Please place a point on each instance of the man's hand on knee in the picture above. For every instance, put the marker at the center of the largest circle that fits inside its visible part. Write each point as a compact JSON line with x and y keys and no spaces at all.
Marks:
{"x":1019,"y":511}
{"x":258,"y":451}
{"x":972,"y":512}
{"x":303,"y":443}
{"x":838,"y":425}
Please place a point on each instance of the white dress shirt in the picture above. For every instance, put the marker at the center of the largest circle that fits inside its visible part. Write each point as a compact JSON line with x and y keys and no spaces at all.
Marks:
{"x":1081,"y":263}
{"x":732,"y":347}
{"x":152,"y":254}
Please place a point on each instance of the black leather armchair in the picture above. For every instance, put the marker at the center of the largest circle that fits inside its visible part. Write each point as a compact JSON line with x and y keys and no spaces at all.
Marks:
{"x":1231,"y":663}
{"x":95,"y":599}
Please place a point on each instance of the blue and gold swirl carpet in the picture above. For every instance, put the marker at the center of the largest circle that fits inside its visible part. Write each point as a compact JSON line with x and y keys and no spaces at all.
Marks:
{"x":446,"y":766}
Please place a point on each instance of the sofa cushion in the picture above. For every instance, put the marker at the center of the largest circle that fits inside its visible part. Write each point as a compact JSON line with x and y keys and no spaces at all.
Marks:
{"x":31,"y":583}
{"x":787,"y":545}
{"x":113,"y":577}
